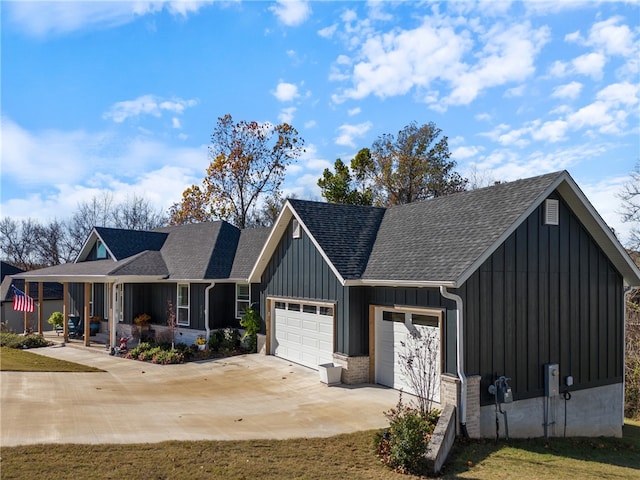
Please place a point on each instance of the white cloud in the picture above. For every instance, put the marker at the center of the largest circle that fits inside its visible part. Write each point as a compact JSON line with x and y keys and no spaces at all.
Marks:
{"x":85,"y":163}
{"x":348,"y":133}
{"x":464,"y":152}
{"x":175,"y":122}
{"x":47,"y":18}
{"x":569,"y":90}
{"x":286,"y":115}
{"x":328,"y":32}
{"x":590,"y":64}
{"x":354,"y":111}
{"x":437,"y":53}
{"x":286,"y":92}
{"x":291,"y":13}
{"x":147,"y":105}
{"x":608,"y":36}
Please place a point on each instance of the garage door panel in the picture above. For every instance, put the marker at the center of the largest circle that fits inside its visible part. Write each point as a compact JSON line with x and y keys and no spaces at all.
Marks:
{"x":304,"y":337}
{"x":390,"y":337}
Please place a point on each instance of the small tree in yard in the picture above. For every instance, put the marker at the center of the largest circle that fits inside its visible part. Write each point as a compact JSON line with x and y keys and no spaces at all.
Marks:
{"x":172,"y":323}
{"x":403,"y":445}
{"x":250,"y":321}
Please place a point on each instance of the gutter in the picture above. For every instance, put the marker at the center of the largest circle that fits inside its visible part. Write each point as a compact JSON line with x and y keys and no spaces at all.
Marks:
{"x":459,"y":357}
{"x":206,"y":309}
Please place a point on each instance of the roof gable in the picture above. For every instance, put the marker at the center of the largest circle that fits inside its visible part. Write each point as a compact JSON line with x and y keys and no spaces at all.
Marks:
{"x":251,"y":242}
{"x":122,"y":243}
{"x":443,"y":240}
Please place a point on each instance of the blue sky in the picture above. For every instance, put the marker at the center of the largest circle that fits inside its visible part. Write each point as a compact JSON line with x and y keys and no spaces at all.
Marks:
{"x":123,"y":97}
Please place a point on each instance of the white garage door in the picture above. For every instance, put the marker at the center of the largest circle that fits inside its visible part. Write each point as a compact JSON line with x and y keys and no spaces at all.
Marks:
{"x":392,"y":339}
{"x":303,"y":333}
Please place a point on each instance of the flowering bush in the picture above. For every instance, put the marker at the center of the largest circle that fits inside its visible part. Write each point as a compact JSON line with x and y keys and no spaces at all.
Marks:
{"x":200,"y":340}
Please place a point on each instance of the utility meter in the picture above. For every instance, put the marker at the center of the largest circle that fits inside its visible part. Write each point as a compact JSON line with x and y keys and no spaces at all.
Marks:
{"x":504,"y":393}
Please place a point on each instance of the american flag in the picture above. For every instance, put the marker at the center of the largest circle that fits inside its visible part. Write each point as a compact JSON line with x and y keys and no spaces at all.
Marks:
{"x":21,"y":301}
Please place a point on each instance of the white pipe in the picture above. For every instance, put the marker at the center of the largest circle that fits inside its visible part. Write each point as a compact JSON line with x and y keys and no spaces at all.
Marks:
{"x":459,"y":353}
{"x":206,"y":309}
{"x":115,"y":308}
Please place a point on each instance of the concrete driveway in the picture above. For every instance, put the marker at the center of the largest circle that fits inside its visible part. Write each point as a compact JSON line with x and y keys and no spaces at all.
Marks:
{"x":236,"y":398}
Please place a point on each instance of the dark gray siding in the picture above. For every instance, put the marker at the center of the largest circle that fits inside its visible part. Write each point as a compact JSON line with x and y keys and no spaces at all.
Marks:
{"x":222,"y":306}
{"x":298,"y":270}
{"x":150,"y":298}
{"x":419,"y":297}
{"x":547,"y":295}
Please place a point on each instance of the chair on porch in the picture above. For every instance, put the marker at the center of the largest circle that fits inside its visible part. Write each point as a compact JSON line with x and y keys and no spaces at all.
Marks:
{"x":76,"y":327}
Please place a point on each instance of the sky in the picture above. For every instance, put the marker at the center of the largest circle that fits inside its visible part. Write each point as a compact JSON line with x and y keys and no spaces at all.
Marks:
{"x":123,"y":96}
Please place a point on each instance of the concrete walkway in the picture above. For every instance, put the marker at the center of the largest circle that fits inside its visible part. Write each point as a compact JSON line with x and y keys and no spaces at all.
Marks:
{"x":236,"y":398}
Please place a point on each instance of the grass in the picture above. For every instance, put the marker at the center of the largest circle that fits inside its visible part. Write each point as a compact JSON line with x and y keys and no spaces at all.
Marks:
{"x":16,"y":360}
{"x":343,"y":456}
{"x":566,"y":458}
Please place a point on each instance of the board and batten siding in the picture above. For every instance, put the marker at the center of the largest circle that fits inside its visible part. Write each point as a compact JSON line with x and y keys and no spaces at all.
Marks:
{"x":548,"y":294}
{"x":298,"y":270}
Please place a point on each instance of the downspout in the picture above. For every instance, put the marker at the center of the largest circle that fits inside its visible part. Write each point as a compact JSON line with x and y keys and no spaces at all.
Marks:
{"x":206,"y":309}
{"x":459,"y":357}
{"x":116,"y":308}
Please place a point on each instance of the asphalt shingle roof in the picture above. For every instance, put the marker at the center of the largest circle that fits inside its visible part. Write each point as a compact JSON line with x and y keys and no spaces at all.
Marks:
{"x":200,"y":250}
{"x":346,"y":233}
{"x":249,"y":247}
{"x":125,"y":243}
{"x":438,"y":239}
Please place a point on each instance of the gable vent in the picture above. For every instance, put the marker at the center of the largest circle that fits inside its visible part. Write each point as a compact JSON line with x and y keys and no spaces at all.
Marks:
{"x":296,"y":229}
{"x":551,"y":212}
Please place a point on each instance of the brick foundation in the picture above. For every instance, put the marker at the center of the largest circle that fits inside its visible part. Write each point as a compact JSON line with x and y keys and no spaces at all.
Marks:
{"x":354,"y":369}
{"x":450,"y":395}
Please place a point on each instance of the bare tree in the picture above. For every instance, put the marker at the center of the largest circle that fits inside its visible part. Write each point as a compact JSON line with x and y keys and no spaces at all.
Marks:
{"x":630,"y":197}
{"x":137,"y":213}
{"x":53,"y":245}
{"x":418,"y":362}
{"x":18,"y":242}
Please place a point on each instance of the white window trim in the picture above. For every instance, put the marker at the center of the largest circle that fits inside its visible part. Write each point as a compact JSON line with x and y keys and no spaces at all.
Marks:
{"x":238,"y":300}
{"x":187,"y":307}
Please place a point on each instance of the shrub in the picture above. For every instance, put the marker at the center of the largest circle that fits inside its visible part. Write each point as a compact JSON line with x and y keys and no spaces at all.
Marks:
{"x":250,"y":321}
{"x":230,"y":339}
{"x":404,"y":444}
{"x":56,"y":319}
{"x":13,"y":340}
{"x":215,"y":340}
{"x":168,"y":357}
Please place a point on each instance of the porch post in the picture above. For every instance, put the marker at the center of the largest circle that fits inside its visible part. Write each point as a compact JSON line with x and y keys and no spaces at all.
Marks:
{"x":25,"y":313}
{"x":87,"y":330}
{"x":65,"y":311}
{"x":40,"y":308}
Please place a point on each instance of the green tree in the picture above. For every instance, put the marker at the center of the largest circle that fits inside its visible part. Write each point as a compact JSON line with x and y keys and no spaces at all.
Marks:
{"x":412,"y":166}
{"x":248,"y":161}
{"x":336,"y":186}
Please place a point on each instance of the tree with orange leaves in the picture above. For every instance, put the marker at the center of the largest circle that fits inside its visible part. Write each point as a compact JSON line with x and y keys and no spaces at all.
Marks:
{"x":248,"y":162}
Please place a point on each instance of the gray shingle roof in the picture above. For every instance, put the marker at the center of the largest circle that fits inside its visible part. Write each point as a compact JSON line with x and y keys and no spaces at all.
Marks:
{"x":200,"y":250}
{"x":345,"y":233}
{"x":249,"y":247}
{"x":438,"y":239}
{"x":125,"y":243}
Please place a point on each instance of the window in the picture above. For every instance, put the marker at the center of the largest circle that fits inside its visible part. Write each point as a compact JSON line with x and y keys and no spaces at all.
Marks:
{"x":101,"y":250}
{"x":281,"y":305}
{"x":326,"y":311}
{"x":309,"y":309}
{"x":242,"y":299}
{"x":426,"y":320}
{"x":119,"y":303}
{"x":294,"y":307}
{"x":296,"y":229}
{"x":183,"y":304}
{"x":393,"y":316}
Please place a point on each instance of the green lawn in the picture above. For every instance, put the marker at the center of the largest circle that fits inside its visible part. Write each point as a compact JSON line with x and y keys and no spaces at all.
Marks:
{"x":17,"y":360}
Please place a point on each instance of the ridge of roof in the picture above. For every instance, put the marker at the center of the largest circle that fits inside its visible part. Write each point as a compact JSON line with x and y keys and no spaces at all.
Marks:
{"x":123,"y":243}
